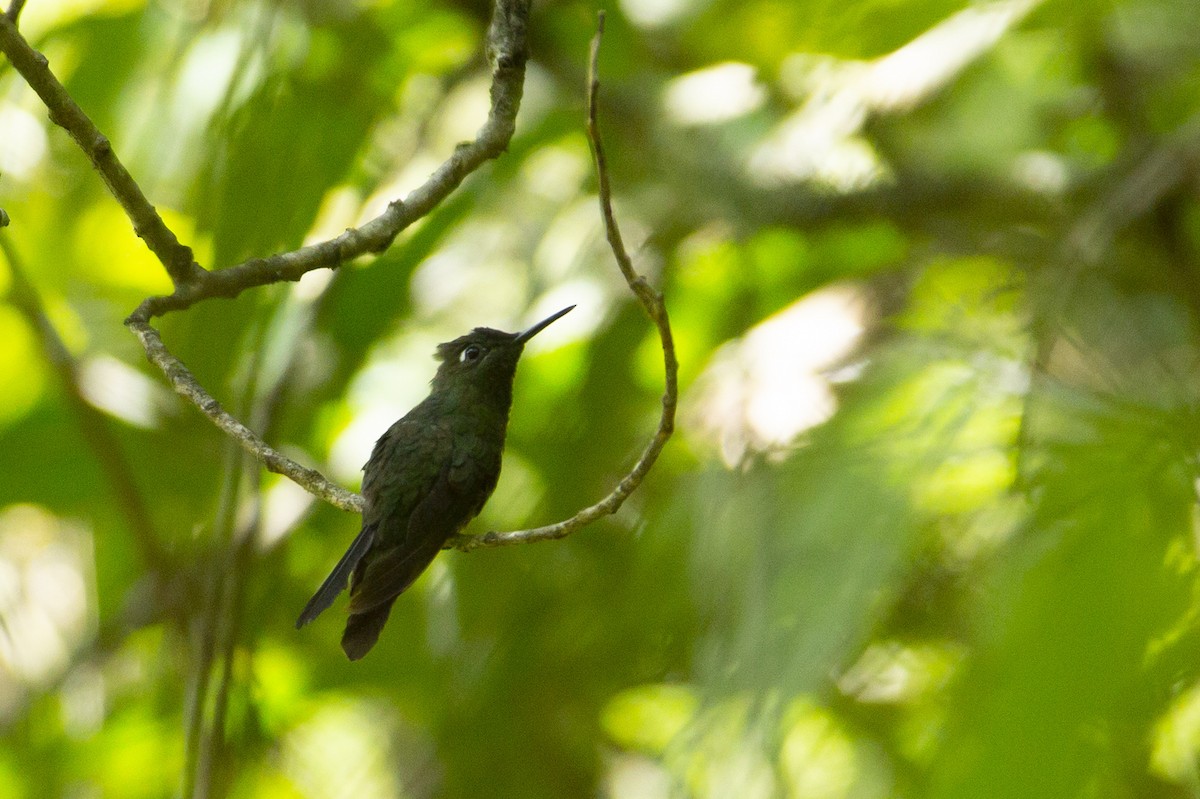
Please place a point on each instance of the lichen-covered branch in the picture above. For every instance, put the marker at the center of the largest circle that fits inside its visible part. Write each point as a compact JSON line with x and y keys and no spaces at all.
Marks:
{"x":186,"y":385}
{"x":508,"y":50}
{"x":656,"y":308}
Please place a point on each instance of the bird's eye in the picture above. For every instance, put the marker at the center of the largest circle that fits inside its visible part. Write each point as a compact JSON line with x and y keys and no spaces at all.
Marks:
{"x":471,"y":353}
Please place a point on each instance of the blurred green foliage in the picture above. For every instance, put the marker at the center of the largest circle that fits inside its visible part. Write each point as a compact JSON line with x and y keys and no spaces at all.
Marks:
{"x":928,"y":527}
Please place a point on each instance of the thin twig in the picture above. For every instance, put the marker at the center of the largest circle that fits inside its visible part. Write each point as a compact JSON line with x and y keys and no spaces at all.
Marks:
{"x":652,"y":301}
{"x":176,"y":258}
{"x":186,"y":385}
{"x":508,"y":52}
{"x":92,"y":425}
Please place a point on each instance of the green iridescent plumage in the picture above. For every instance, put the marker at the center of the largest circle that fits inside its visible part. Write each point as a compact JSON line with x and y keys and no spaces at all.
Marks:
{"x":428,"y":475}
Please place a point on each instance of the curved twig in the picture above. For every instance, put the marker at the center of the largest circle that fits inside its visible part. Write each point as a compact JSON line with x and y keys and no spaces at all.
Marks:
{"x":652,"y":301}
{"x":508,"y":52}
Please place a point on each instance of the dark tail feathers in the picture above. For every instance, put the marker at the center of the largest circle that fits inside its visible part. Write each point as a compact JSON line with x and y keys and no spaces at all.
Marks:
{"x":362,"y":630}
{"x":335,"y":583}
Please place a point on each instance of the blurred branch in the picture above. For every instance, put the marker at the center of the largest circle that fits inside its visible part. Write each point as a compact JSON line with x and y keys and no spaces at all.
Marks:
{"x":209,"y":621}
{"x":14,"y":10}
{"x":1135,"y":194}
{"x":213,"y":753}
{"x":92,"y":424}
{"x":233,"y":569}
{"x":223,"y":621}
{"x":176,"y":258}
{"x":652,"y":301}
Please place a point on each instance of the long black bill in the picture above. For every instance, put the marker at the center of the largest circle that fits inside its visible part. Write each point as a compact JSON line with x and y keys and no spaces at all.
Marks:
{"x":525,"y":335}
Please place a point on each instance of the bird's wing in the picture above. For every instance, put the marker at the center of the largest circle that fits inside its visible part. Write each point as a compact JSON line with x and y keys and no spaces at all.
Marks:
{"x":391,"y":570}
{"x":404,"y":466}
{"x":474,"y":471}
{"x":405,"y":445}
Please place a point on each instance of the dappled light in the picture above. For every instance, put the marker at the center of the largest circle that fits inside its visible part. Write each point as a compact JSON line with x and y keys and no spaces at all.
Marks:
{"x":114,"y":387}
{"x":822,"y":140}
{"x":760,"y":393}
{"x":714,"y":94}
{"x":46,"y":588}
{"x":928,"y":526}
{"x":22,"y":141}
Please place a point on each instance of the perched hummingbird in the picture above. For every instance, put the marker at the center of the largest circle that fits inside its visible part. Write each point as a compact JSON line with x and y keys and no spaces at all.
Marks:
{"x":429,"y":475}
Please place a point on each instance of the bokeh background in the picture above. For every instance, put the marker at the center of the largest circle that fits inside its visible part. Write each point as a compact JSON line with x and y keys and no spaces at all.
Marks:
{"x":929,"y":524}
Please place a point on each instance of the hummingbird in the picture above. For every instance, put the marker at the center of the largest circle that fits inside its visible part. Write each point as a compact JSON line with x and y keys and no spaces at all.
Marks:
{"x":428,"y":475}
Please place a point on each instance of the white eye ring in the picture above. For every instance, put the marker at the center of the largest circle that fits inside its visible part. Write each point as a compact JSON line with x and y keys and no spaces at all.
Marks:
{"x":470,"y":353}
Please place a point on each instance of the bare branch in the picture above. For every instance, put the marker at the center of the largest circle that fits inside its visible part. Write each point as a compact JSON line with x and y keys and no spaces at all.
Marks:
{"x":176,"y":258}
{"x":1143,"y":186}
{"x":652,"y":301}
{"x":507,"y":52}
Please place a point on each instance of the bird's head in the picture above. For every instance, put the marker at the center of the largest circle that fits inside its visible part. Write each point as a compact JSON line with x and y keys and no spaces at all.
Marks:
{"x":485,"y":359}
